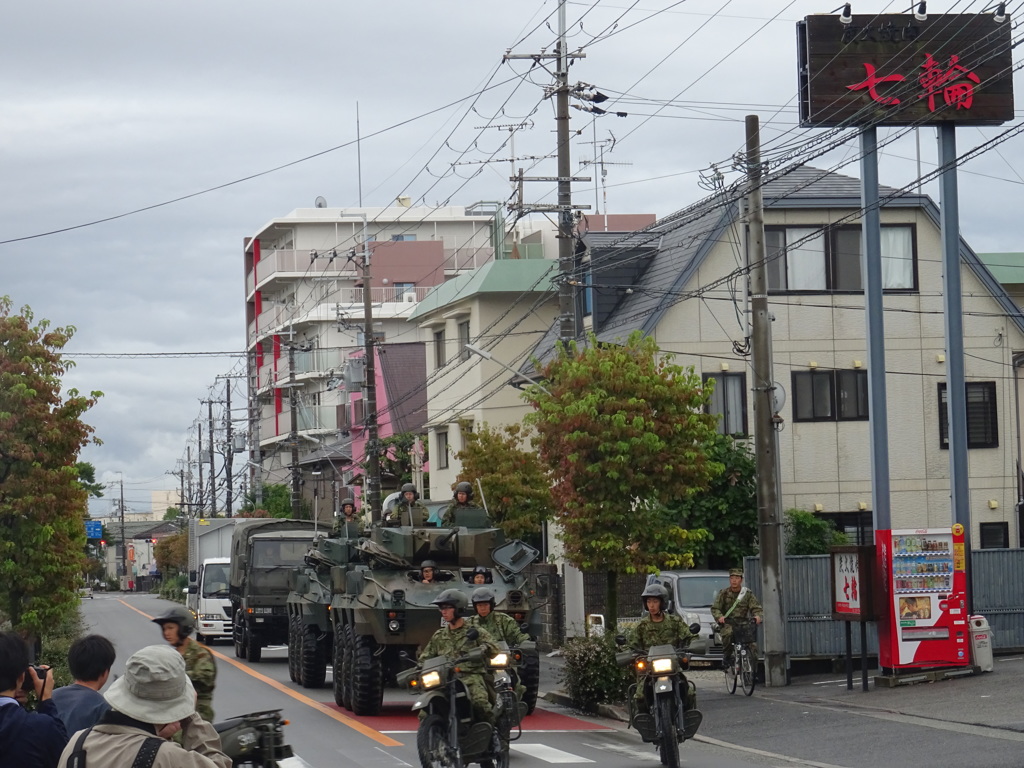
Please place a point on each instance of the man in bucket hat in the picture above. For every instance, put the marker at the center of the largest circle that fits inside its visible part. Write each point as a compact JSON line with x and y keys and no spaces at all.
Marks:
{"x":149,"y":704}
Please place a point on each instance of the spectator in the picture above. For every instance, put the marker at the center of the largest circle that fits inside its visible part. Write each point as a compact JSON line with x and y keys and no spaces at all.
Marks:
{"x":26,"y":738}
{"x":152,"y":702}
{"x":81,"y":704}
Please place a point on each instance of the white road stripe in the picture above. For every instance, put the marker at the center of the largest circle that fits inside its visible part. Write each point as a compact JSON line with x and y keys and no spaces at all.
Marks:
{"x":548,"y":754}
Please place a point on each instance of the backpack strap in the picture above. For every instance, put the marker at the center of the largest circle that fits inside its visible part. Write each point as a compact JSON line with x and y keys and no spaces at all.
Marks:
{"x":147,"y":752}
{"x":740,"y":596}
{"x":77,"y":757}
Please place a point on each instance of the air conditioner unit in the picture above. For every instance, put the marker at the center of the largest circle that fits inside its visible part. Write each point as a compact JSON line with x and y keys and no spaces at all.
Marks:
{"x":409,"y":298}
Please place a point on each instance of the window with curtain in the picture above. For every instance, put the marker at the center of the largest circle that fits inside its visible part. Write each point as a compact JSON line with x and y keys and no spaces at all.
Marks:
{"x":729,"y":402}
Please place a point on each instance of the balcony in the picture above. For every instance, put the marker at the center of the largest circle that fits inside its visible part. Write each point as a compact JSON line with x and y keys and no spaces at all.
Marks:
{"x":295,"y":264}
{"x":317,"y":418}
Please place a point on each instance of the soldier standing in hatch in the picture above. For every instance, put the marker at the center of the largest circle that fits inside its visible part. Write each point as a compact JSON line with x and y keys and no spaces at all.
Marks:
{"x":407,"y":510}
{"x":463,"y":499}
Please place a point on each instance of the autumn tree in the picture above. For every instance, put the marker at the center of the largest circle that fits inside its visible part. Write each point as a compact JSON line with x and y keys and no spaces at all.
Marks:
{"x":514,"y":481}
{"x":171,"y":553}
{"x":728,"y":509}
{"x":622,"y":431}
{"x":42,"y":502}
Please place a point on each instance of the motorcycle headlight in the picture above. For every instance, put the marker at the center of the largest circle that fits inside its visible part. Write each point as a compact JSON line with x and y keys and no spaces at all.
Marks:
{"x":663,"y":665}
{"x":499,"y":660}
{"x":431,"y":680}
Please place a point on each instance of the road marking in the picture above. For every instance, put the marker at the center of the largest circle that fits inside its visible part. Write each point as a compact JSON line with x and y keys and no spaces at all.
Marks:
{"x":633,"y":754}
{"x":548,"y":754}
{"x":763,"y":753}
{"x":355,"y":725}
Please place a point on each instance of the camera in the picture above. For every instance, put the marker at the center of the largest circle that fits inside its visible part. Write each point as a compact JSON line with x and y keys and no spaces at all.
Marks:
{"x":28,"y":685}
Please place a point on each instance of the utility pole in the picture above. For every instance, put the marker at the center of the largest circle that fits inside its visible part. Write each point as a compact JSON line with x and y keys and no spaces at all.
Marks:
{"x":188,"y":466}
{"x":229,"y":451}
{"x":199,"y":460}
{"x":769,"y":524}
{"x":123,"y":570}
{"x":213,"y":474}
{"x":372,"y":476}
{"x":293,"y":436}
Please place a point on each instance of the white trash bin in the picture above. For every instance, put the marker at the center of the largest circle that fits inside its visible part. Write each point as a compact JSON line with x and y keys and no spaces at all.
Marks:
{"x":981,"y":643}
{"x":596,"y":622}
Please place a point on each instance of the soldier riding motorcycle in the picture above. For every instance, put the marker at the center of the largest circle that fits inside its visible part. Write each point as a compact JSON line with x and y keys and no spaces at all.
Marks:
{"x":662,"y":701}
{"x":255,"y":740}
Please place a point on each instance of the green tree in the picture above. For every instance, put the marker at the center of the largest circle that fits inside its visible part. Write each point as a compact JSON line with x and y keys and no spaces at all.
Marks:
{"x":42,"y":503}
{"x":622,"y":430}
{"x":277,"y":502}
{"x":515,"y":482}
{"x":396,"y":458}
{"x":172,"y":513}
{"x":728,"y":509}
{"x":810,"y":535}
{"x":87,"y":479}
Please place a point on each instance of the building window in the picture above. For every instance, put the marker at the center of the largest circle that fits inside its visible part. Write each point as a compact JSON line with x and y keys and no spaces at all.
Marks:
{"x":729,"y":401}
{"x":824,"y":259}
{"x":982,"y":423}
{"x":813,"y":396}
{"x":442,"y":450}
{"x":588,"y":294}
{"x":852,"y":395}
{"x":463,"y":328}
{"x":994,"y":536}
{"x":401,"y":289}
{"x":857,"y":526}
{"x":439,"y":358}
{"x":403,"y":238}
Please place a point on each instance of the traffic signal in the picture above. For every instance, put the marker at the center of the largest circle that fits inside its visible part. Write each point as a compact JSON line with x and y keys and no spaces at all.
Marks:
{"x":103,"y":542}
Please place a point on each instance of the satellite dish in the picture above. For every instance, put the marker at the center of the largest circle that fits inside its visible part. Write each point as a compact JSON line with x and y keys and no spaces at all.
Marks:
{"x":320,"y":202}
{"x":778,"y":397}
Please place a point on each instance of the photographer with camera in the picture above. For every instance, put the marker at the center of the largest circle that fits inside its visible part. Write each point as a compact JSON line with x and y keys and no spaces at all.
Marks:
{"x":27,"y":738}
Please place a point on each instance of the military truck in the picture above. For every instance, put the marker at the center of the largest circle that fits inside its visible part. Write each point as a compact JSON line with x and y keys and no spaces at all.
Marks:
{"x":379,"y":608}
{"x":263,"y":554}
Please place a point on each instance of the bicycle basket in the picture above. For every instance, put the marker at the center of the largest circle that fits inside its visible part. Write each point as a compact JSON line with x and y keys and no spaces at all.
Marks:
{"x":744,"y":633}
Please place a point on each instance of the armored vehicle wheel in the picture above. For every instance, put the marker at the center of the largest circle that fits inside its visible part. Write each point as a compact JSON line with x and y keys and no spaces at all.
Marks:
{"x":293,"y":649}
{"x":338,"y":661}
{"x":529,"y":674}
{"x":347,"y":662}
{"x":253,"y":649}
{"x":313,"y":659}
{"x":367,"y":677}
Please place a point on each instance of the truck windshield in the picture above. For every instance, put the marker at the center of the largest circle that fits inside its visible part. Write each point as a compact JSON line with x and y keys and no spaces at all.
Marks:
{"x":271,"y":554}
{"x":699,"y":591}
{"x":215,"y":580}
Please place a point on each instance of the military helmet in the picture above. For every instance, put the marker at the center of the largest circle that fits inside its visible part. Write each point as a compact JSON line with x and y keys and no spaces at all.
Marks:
{"x":451,"y":597}
{"x":481,"y":569}
{"x":465,"y":488}
{"x":180,"y":615}
{"x":483,"y":595}
{"x":654,"y":589}
{"x":428,"y":564}
{"x":410,"y":487}
{"x":349,"y":502}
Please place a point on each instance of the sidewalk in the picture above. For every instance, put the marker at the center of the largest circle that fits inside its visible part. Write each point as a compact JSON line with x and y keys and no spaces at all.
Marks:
{"x":993,"y":699}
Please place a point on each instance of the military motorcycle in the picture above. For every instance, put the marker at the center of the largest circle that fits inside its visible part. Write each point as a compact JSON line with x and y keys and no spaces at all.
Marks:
{"x":448,"y":736}
{"x":255,"y":740}
{"x":509,"y":709}
{"x":660,"y":672}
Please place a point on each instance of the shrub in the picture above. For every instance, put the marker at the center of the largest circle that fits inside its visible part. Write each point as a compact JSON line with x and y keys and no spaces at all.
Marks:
{"x":590,"y":675}
{"x":172,"y":587}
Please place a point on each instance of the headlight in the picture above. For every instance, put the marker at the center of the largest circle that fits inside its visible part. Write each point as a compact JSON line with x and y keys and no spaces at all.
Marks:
{"x":210,"y":617}
{"x":691,"y":618}
{"x":663,"y":665}
{"x":499,"y":660}
{"x":431,"y":680}
{"x":394,"y":626}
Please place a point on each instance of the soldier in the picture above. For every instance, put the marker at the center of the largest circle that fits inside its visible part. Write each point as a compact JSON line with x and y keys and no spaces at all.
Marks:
{"x":500,"y":626}
{"x":177,"y":624}
{"x":480,"y":575}
{"x":408,"y":510}
{"x":452,"y":640}
{"x":734,"y":605}
{"x":462,"y":500}
{"x":660,"y":627}
{"x":428,"y":572}
{"x":348,"y":525}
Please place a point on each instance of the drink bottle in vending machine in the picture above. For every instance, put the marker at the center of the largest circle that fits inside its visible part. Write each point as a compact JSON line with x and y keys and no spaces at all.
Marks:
{"x":923,"y":599}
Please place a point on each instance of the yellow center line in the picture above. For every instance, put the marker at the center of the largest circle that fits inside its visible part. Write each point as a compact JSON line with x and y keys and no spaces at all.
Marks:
{"x":355,"y":725}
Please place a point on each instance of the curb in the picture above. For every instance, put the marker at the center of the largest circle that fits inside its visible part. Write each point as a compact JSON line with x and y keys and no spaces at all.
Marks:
{"x":608,"y":711}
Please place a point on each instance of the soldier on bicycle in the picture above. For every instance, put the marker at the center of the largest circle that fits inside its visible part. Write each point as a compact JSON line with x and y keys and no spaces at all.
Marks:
{"x":735,"y":605}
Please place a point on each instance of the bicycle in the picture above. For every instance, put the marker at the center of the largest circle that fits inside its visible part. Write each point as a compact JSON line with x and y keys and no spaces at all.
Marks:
{"x":743,"y":659}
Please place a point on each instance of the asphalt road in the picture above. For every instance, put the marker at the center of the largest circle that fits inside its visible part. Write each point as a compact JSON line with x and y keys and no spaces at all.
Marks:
{"x":769,"y":729}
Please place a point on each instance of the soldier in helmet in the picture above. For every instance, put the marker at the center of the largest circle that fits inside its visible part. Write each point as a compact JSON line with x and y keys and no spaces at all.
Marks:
{"x":428,"y":572}
{"x":453,"y":640}
{"x":408,"y":510}
{"x":500,"y":626}
{"x":660,"y":627}
{"x":481,"y":575}
{"x":177,"y":625}
{"x":734,"y":605}
{"x":347,"y":525}
{"x":463,"y":499}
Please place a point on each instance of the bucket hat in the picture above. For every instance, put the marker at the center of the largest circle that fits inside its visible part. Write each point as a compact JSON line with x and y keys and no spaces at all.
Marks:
{"x":154,"y":687}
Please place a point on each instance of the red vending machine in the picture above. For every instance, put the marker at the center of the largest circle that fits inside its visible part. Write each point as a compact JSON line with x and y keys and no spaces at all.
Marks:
{"x":922,"y":599}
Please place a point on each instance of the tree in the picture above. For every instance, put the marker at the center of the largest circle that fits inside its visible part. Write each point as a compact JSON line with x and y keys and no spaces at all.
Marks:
{"x":622,"y":430}
{"x":87,"y":479}
{"x":515,"y":482}
{"x":171,"y":553}
{"x":396,"y":457}
{"x":810,"y":535}
{"x":277,"y":502}
{"x":172,"y":513}
{"x":728,"y":509}
{"x":42,"y":503}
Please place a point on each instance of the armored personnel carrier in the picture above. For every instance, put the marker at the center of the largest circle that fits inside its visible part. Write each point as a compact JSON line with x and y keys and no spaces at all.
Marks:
{"x":379,"y":607}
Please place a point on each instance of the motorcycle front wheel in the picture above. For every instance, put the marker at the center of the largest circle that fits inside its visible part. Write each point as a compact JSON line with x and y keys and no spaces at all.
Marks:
{"x":432,"y":744}
{"x":668,"y":749}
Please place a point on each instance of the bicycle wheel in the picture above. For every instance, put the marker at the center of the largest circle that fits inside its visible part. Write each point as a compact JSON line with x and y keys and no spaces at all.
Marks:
{"x":730,"y":675}
{"x":747,"y":673}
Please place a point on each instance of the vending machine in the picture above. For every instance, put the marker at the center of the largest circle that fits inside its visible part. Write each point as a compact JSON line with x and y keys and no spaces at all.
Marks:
{"x":922,"y":599}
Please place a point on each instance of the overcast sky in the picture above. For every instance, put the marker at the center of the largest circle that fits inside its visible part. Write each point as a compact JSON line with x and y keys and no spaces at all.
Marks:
{"x":109,"y":107}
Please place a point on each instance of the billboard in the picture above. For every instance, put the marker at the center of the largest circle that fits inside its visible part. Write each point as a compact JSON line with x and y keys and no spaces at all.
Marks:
{"x":894,"y":69}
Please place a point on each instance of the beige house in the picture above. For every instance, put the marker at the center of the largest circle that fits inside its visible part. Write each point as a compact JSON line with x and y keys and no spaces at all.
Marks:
{"x":682,"y":281}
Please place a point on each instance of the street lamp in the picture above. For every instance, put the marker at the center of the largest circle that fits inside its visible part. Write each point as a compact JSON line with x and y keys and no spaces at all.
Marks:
{"x":488,"y":356}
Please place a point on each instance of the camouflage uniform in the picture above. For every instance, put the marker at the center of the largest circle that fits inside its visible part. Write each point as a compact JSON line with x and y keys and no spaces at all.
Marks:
{"x":747,"y":608}
{"x":347,"y":528}
{"x":202,"y":671}
{"x":502,"y":627}
{"x":400,"y":513}
{"x":448,"y":519}
{"x":454,"y":643}
{"x":671,"y":630}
